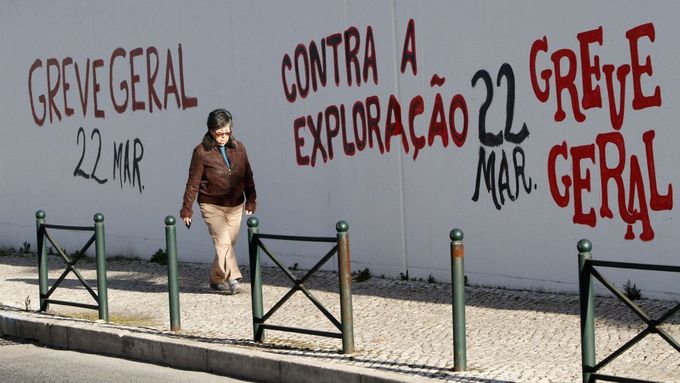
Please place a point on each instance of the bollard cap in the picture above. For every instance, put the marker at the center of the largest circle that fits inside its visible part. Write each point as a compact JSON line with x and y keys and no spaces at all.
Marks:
{"x":456,"y":235}
{"x":99,"y":217}
{"x":253,"y":222}
{"x":584,"y":245}
{"x":40,"y":214}
{"x":342,"y":226}
{"x":170,"y":220}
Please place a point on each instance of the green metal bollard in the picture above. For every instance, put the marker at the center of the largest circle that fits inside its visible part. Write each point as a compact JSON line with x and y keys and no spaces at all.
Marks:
{"x":42,"y":259}
{"x":585,"y":287}
{"x":173,"y":280}
{"x":102,"y":282}
{"x":458,"y":297}
{"x":255,"y":279}
{"x":345,"y":276}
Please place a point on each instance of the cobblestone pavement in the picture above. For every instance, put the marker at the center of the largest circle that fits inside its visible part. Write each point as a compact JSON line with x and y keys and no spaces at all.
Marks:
{"x":401,"y":326}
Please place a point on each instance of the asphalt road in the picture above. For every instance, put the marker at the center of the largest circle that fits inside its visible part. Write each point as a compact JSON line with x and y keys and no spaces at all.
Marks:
{"x":29,"y":363}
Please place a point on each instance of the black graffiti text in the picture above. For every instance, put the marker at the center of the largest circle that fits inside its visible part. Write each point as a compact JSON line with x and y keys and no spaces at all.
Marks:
{"x":79,"y":172}
{"x":122,"y":162}
{"x":498,"y":180}
{"x":127,"y":156}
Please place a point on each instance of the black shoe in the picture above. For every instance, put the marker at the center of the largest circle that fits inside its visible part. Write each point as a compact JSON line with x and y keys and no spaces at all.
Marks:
{"x":219,"y":286}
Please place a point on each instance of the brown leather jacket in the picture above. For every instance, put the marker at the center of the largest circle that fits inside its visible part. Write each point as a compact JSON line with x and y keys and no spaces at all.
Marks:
{"x":215,"y":183}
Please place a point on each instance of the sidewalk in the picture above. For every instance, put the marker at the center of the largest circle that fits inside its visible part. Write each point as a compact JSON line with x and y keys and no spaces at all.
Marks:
{"x":403,"y":329}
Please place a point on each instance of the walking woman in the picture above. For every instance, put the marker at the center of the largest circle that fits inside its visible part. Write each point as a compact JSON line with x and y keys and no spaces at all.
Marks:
{"x":221,"y":176}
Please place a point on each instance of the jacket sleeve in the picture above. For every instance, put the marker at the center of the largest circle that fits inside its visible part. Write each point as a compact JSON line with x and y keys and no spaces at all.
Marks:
{"x":193,"y":183}
{"x":249,"y":185}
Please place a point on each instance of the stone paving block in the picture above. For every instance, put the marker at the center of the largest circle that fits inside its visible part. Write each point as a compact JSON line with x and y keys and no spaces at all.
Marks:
{"x":310,"y":372}
{"x":144,"y":348}
{"x":34,"y":330}
{"x":95,"y":340}
{"x":392,"y":378}
{"x":259,"y":367}
{"x":58,"y":335}
{"x":187,"y":357}
{"x":8,"y":325}
{"x":24,"y":329}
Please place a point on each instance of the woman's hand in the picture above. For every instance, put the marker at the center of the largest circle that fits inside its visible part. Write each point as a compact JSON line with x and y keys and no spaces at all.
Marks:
{"x":187,"y":221}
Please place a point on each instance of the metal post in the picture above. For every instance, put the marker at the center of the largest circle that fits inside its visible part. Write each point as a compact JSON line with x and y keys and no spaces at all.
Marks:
{"x":102,"y":282}
{"x":585,"y":283}
{"x":345,"y":276}
{"x":255,"y":279}
{"x":173,"y":280}
{"x":458,"y":297}
{"x":42,"y":259}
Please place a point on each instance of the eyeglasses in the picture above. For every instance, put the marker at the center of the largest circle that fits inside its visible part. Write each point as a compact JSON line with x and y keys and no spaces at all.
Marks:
{"x":222,"y":134}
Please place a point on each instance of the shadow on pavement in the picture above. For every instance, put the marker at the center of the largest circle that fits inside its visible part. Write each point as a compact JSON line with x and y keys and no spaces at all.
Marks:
{"x":137,"y":275}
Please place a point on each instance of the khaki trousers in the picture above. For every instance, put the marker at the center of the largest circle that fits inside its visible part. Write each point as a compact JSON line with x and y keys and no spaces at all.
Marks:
{"x":223,"y":223}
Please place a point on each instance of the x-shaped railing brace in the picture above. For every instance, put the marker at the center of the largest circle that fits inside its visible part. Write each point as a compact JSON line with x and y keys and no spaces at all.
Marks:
{"x":299,"y":286}
{"x":70,"y":263}
{"x":652,"y":324}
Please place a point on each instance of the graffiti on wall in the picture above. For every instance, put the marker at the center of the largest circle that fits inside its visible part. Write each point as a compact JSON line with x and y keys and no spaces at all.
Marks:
{"x":373,"y":124}
{"x":139,"y":80}
{"x":607,"y":156}
{"x":499,"y":182}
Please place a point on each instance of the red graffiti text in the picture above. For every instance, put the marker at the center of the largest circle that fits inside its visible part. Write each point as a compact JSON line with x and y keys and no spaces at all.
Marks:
{"x":367,"y":123}
{"x":563,"y":76}
{"x":607,"y":157}
{"x":127,"y":73}
{"x":634,"y":201}
{"x":309,"y":65}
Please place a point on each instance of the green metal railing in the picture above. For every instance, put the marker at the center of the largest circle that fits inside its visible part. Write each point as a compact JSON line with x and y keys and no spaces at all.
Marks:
{"x":345,"y":325}
{"x":458,"y":300}
{"x":587,"y":270}
{"x":173,"y":279}
{"x":101,"y":298}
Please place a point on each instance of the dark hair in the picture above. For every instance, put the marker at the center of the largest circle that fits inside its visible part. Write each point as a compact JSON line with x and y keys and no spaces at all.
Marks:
{"x":217,"y":119}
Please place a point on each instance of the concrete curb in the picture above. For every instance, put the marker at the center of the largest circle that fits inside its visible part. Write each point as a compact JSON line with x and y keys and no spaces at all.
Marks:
{"x":227,"y":360}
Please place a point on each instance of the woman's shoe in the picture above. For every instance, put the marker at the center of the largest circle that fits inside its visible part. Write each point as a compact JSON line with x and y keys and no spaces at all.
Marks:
{"x":234,"y":287}
{"x":219,"y":286}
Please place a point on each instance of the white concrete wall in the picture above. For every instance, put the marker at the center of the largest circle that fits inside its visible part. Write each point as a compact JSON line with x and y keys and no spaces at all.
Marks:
{"x":400,"y":208}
